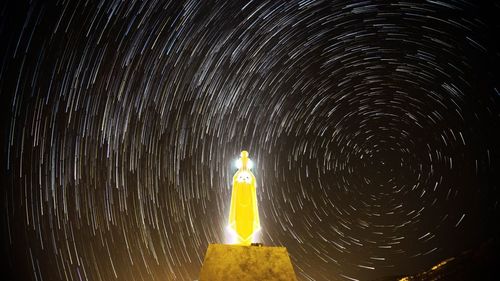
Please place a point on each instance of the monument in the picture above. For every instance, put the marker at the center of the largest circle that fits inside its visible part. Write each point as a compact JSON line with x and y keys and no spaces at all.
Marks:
{"x":244,"y":213}
{"x":245,"y":260}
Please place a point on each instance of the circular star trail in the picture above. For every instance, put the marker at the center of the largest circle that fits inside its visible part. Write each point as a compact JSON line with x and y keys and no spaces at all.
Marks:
{"x":373,"y":126}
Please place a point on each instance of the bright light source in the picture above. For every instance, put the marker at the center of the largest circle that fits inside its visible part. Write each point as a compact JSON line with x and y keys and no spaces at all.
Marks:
{"x":238,"y":164}
{"x":250,"y":164}
{"x":231,"y":236}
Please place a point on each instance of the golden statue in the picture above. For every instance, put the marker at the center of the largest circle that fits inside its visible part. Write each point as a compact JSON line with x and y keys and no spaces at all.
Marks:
{"x":244,"y":214}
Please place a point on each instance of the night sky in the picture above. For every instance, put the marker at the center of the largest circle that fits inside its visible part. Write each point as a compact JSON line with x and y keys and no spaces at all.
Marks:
{"x":374,"y":127}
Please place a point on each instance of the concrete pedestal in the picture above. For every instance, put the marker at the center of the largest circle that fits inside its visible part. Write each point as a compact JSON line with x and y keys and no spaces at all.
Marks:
{"x":246,"y":263}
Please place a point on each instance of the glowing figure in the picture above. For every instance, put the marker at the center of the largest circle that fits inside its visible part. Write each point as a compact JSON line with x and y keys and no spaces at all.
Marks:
{"x":244,"y":214}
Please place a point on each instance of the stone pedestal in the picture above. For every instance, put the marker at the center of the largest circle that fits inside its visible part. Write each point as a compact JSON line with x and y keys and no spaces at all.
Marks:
{"x":246,"y":263}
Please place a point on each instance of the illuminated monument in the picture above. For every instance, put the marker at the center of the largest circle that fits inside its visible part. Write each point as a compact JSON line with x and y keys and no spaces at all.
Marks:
{"x":244,"y":213}
{"x":245,"y":261}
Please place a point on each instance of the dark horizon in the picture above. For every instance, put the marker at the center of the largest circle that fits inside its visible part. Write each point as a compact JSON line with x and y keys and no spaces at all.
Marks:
{"x":374,"y":127}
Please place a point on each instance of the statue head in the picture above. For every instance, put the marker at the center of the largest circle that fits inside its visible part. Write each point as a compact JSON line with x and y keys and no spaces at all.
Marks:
{"x":244,"y":154}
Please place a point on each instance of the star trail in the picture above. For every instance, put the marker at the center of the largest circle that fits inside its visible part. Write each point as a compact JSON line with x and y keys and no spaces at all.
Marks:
{"x":373,"y":126}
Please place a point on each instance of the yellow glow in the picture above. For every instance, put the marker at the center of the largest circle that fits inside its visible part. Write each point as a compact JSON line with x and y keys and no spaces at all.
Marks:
{"x":244,"y":214}
{"x":441,"y":264}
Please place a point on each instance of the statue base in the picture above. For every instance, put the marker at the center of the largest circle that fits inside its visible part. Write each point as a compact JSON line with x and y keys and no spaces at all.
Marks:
{"x":246,"y":263}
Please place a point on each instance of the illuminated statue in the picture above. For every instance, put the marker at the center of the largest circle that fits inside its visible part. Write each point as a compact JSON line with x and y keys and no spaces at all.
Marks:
{"x":244,"y":214}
